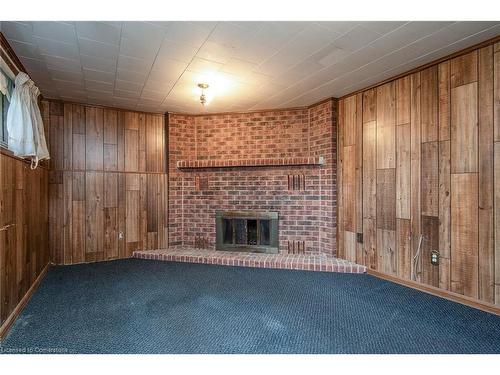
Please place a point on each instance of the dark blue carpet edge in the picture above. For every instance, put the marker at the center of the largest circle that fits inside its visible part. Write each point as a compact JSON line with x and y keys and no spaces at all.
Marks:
{"x":144,"y":306}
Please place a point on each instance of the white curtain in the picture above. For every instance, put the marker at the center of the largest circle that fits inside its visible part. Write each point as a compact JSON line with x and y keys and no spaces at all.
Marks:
{"x":24,"y":122}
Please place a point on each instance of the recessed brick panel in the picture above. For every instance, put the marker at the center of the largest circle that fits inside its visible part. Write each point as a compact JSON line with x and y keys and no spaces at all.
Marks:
{"x":306,"y":214}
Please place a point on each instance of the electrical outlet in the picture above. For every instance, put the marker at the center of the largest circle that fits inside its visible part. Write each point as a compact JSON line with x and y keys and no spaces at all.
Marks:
{"x":435,"y":257}
{"x":359,"y":237}
{"x":120,"y":235}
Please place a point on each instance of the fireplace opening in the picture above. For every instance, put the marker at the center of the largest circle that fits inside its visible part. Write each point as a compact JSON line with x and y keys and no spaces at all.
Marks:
{"x":247,"y":231}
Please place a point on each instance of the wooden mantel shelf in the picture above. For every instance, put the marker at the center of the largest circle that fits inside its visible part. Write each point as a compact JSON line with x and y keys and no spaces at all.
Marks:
{"x":264,"y":162}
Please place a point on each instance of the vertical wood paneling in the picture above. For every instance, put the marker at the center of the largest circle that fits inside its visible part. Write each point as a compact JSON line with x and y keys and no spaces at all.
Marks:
{"x":78,"y":217}
{"x":403,"y":177}
{"x":110,"y":140}
{"x":463,"y":69}
{"x":94,"y":138}
{"x":94,"y":194}
{"x":429,"y":104}
{"x":496,"y":93}
{"x":369,"y":105}
{"x":497,"y":220}
{"x":430,"y":176}
{"x":350,"y":107}
{"x":415,"y":160}
{"x":444,"y":100}
{"x":90,"y":203}
{"x":386,"y":199}
{"x":67,"y":217}
{"x":430,"y":231}
{"x":349,"y":188}
{"x":386,"y":126}
{"x":464,"y":234}
{"x":444,"y":214}
{"x":464,"y":129}
{"x":386,"y":248}
{"x":24,"y":249}
{"x":131,"y":142}
{"x":485,"y":168}
{"x":445,"y":141}
{"x":403,"y":100}
{"x":370,"y":243}
{"x":403,"y":243}
{"x":68,"y":137}
{"x":340,"y":182}
{"x":369,"y":170}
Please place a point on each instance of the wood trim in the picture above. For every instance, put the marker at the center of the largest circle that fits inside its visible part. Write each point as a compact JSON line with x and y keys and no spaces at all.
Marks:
{"x":12,"y":56}
{"x":429,"y":64}
{"x":455,"y":297}
{"x":9,"y":322}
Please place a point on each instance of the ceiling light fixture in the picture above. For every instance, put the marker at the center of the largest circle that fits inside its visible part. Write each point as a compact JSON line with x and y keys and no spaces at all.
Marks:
{"x":203,"y":98}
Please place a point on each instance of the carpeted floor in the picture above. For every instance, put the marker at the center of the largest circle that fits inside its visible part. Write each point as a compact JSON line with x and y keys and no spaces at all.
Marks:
{"x":143,"y":306}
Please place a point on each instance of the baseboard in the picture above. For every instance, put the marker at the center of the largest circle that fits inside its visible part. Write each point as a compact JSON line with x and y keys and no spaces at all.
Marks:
{"x":9,"y":322}
{"x":455,"y":297}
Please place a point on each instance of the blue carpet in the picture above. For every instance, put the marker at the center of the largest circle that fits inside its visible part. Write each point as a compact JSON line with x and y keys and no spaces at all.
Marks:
{"x":143,"y":306}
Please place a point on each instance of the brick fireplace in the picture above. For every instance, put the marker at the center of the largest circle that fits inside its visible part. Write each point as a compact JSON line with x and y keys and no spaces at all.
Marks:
{"x":281,"y":161}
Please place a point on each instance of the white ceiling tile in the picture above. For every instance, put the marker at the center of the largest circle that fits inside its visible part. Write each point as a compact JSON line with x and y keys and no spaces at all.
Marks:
{"x":382,"y":27}
{"x":237,"y":67}
{"x":356,"y":39}
{"x":126,"y":75}
{"x":38,"y":65}
{"x":69,"y":85}
{"x":128,"y":86}
{"x":193,"y":34}
{"x":96,"y":75}
{"x":127,"y":94}
{"x":340,"y":27}
{"x":230,"y":35}
{"x":98,"y":64}
{"x":19,"y":31}
{"x":203,"y":66}
{"x":170,"y":50}
{"x":156,"y":66}
{"x":99,"y":31}
{"x":97,"y":49}
{"x":59,"y":31}
{"x":67,"y":76}
{"x":215,"y":52}
{"x":59,"y":63}
{"x":134,"y":64}
{"x":155,"y":85}
{"x":154,"y":95}
{"x":139,"y":49}
{"x":22,"y":49}
{"x":55,"y":48}
{"x":407,"y":34}
{"x":333,"y":55}
{"x":99,"y":85}
{"x":142,"y":31}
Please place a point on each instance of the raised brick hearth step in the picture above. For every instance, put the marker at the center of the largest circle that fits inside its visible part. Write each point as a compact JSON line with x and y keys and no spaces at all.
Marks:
{"x":307,"y":262}
{"x":264,"y":162}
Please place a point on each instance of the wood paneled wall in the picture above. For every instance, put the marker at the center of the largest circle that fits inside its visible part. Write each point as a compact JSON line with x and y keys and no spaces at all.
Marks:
{"x":23,"y":229}
{"x":108,"y":182}
{"x":420,"y":155}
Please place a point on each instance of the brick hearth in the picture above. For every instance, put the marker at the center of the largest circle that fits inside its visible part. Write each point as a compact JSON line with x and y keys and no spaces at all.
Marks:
{"x":307,"y":262}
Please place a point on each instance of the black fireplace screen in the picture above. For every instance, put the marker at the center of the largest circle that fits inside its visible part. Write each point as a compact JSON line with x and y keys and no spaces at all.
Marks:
{"x":247,"y":231}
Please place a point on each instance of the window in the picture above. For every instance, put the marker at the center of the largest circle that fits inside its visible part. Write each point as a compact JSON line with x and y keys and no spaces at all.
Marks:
{"x":4,"y":107}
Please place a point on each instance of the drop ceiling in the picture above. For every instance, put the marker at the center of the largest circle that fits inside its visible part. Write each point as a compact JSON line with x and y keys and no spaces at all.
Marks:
{"x":156,"y":66}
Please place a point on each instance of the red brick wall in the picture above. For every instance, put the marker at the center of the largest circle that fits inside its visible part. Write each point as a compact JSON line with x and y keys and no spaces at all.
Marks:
{"x":195,"y":195}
